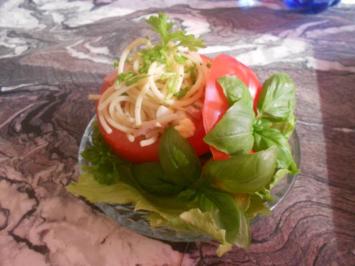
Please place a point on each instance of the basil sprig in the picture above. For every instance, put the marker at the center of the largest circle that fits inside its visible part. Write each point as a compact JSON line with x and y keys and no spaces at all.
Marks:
{"x":276,"y":120}
{"x":240,"y":131}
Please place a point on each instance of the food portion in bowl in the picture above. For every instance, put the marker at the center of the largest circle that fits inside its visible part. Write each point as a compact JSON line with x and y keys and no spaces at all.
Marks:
{"x":196,"y":142}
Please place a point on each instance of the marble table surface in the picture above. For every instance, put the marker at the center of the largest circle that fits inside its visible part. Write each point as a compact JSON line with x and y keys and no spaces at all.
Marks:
{"x":53,"y":53}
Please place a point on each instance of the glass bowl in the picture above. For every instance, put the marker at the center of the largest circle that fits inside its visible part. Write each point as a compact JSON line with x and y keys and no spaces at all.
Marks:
{"x":126,"y":216}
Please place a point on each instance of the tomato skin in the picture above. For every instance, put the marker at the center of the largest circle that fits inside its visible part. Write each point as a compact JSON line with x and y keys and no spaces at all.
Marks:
{"x":132,"y":151}
{"x":215,"y":103}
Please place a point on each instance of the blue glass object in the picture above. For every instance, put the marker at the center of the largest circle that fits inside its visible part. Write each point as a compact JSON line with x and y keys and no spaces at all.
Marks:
{"x":310,"y":6}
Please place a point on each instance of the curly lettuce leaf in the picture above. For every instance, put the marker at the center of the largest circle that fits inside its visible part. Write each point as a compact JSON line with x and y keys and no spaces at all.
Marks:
{"x":223,"y":222}
{"x":124,"y":193}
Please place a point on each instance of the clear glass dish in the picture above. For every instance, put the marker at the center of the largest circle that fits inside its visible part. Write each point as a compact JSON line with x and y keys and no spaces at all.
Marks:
{"x":126,"y":216}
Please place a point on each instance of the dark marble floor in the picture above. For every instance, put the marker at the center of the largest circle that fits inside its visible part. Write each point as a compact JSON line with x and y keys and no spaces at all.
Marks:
{"x":54,"y":53}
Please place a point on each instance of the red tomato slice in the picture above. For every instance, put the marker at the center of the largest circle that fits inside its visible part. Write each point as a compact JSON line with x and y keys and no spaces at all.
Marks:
{"x":215,"y":103}
{"x":132,"y":151}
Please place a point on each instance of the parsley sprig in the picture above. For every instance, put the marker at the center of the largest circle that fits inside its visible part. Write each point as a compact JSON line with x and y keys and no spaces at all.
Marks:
{"x":166,"y":51}
{"x":164,"y":28}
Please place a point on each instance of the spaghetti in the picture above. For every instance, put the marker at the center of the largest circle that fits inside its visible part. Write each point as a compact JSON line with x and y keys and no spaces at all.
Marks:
{"x":143,"y":104}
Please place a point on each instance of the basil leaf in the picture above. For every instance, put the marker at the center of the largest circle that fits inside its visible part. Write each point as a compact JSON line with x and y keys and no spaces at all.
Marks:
{"x":267,"y":137}
{"x":150,"y":177}
{"x":234,"y":132}
{"x":243,"y":173}
{"x":286,"y":127}
{"x":179,"y":162}
{"x":277,"y":98}
{"x":234,"y":89}
{"x":230,"y":216}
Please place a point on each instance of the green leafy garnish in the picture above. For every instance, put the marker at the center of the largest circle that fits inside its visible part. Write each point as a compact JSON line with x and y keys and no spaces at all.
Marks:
{"x":170,"y":41}
{"x":268,"y":137}
{"x":129,"y":78}
{"x":193,"y":73}
{"x":105,"y":167}
{"x":171,"y":84}
{"x":180,"y":59}
{"x":256,"y":207}
{"x":276,"y":120}
{"x":229,"y":215}
{"x":234,"y":132}
{"x":151,"y":178}
{"x":115,"y":63}
{"x":178,"y":159}
{"x":234,"y":89}
{"x":181,"y":93}
{"x":155,"y":54}
{"x":277,"y":101}
{"x":164,"y":28}
{"x":124,"y":193}
{"x":177,"y":195}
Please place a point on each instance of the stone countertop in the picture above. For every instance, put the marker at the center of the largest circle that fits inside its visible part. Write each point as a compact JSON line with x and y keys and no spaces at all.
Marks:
{"x":54,"y":53}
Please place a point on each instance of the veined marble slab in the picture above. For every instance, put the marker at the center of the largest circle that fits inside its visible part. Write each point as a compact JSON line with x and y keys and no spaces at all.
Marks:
{"x":54,"y":53}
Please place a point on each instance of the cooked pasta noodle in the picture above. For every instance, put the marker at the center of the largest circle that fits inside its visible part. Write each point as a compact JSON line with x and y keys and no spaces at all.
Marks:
{"x":153,"y":100}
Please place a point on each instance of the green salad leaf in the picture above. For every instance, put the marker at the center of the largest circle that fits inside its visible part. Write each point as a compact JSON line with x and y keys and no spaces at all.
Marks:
{"x":234,"y":132}
{"x":224,"y":222}
{"x":123,"y":193}
{"x":205,"y":223}
{"x":229,"y":216}
{"x":256,"y":207}
{"x":243,"y":173}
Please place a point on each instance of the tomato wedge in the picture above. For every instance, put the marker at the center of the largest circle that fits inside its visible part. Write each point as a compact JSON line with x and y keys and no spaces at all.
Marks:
{"x":132,"y":151}
{"x":215,"y":103}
